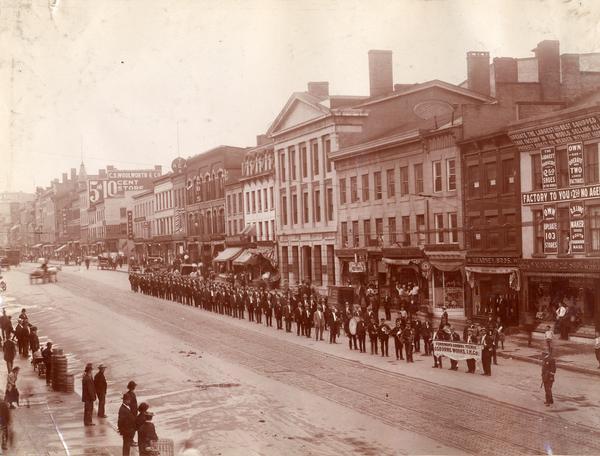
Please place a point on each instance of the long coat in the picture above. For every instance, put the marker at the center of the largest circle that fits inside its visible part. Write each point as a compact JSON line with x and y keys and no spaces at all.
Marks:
{"x":100,"y":384}
{"x":88,"y":390}
{"x":126,"y":423}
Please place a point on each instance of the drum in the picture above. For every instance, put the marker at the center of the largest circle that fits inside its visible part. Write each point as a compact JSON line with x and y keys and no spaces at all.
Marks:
{"x":353,"y":325}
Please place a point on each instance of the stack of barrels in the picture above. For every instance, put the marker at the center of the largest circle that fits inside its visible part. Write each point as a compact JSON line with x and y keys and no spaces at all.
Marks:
{"x":60,"y":377}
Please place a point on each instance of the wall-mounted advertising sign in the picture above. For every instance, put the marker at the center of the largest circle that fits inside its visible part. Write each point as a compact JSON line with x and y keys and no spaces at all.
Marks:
{"x":577,"y":227}
{"x":555,"y":134}
{"x":129,"y":224}
{"x":119,"y":182}
{"x":548,"y":159}
{"x":575,"y":161}
{"x":557,"y":196}
{"x":550,"y":230}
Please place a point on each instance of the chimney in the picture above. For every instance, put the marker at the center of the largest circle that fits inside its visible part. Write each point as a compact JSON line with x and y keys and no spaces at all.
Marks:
{"x":478,"y":72}
{"x":506,"y":70}
{"x":570,"y":75}
{"x":547,"y":53}
{"x":64,"y":177}
{"x":319,"y":89}
{"x":381,"y":78}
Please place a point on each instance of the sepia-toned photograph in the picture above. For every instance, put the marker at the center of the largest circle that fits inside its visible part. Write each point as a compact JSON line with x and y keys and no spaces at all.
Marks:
{"x":299,"y":227}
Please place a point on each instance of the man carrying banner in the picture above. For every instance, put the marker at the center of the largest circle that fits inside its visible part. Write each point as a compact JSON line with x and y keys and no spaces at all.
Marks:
{"x":471,"y":339}
{"x":454,"y":337}
{"x":486,"y":356}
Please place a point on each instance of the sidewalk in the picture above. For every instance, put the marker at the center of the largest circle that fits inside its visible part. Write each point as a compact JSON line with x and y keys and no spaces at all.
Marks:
{"x":50,"y":423}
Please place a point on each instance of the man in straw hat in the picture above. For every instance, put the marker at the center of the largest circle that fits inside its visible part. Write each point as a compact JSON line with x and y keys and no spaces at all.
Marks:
{"x":88,"y":395}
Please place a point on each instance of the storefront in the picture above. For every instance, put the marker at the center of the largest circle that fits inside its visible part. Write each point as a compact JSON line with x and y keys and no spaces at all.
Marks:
{"x":493,"y":288}
{"x":445,"y":270}
{"x":574,"y":282}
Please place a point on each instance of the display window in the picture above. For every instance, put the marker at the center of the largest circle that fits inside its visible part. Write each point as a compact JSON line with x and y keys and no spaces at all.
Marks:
{"x":448,"y":290}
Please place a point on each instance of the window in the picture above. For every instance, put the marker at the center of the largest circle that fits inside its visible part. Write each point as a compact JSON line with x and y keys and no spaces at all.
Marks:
{"x":272,"y":223}
{"x":229,"y":231}
{"x":591,"y":163}
{"x":355,"y":234}
{"x":491,"y":177}
{"x":304,"y":158}
{"x":392,"y":230}
{"x":538,"y":231}
{"x":390,"y":176}
{"x":267,"y":231}
{"x":379,"y":231}
{"x":317,"y":206}
{"x":295,"y":209}
{"x":228,"y":205}
{"x":453,"y":226}
{"x":437,"y":176}
{"x":475,"y":232}
{"x":266,"y":200}
{"x":258,"y":201}
{"x":405,"y":230}
{"x":271,"y":198}
{"x":493,"y":234}
{"x":305,"y":207}
{"x":248,"y":202}
{"x":282,"y":166}
{"x":234,"y":200}
{"x":377,"y":176}
{"x":123,"y":212}
{"x":315,"y":158}
{"x":330,"y":204}
{"x":510,"y":224}
{"x":451,"y":174}
{"x":344,"y":229}
{"x":253,"y":201}
{"x":563,"y":168}
{"x":594,"y":224}
{"x":259,"y":231}
{"x":508,"y":175}
{"x":284,"y":211}
{"x":421,"y":228}
{"x":342,"y":190}
{"x":241,"y":204}
{"x":365,"y":187}
{"x":439,"y":228}
{"x":327,"y":147}
{"x":353,"y":190}
{"x":367,"y":231}
{"x":564,"y":228}
{"x":473,"y":179}
{"x":418,"y":169}
{"x":292,"y":152}
{"x":404,"y":181}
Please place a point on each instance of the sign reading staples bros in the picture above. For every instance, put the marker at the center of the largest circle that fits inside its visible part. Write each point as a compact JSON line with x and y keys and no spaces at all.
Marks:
{"x":118,"y":182}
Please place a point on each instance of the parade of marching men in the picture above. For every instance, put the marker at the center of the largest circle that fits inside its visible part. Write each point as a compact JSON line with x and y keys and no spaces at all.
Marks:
{"x":265,"y":228}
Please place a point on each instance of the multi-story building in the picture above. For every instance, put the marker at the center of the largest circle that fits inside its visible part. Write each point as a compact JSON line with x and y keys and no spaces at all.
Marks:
{"x":11,"y":204}
{"x":522,"y":88}
{"x":143,"y":220}
{"x":560,"y":211}
{"x":206,"y":176}
{"x":234,"y":212}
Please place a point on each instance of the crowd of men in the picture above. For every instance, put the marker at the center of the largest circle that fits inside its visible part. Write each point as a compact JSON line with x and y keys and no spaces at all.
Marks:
{"x":307,"y":310}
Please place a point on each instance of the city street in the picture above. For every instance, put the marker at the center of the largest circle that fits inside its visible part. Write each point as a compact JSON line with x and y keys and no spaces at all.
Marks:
{"x":239,"y":388}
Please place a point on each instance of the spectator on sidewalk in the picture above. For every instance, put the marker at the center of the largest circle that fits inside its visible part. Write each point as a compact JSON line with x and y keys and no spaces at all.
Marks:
{"x":548,"y":336}
{"x":126,"y":424}
{"x":88,"y":395}
{"x":12,"y":393}
{"x":100,"y":385}
{"x":4,"y":423}
{"x":47,"y":356}
{"x":5,"y":325}
{"x":141,"y":416}
{"x":562,"y":321}
{"x":22,"y":335}
{"x":548,"y":371}
{"x":10,"y":351}
{"x":147,"y":435}
{"x":133,"y":405}
{"x":34,"y":340}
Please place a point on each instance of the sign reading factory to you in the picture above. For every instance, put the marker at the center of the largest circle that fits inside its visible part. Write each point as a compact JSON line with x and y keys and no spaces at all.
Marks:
{"x":118,"y":182}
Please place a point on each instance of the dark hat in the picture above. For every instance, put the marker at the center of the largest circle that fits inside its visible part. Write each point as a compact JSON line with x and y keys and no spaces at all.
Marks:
{"x":88,"y":366}
{"x":101,"y":366}
{"x":48,"y":344}
{"x":131,"y":384}
{"x":149,"y":414}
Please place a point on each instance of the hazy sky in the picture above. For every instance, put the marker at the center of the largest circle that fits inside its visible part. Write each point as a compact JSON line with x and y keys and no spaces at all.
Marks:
{"x":112,"y":78}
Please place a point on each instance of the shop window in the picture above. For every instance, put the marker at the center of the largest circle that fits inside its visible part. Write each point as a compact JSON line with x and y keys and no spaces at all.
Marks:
{"x":304,"y":158}
{"x":355,"y":234}
{"x":353,"y":190}
{"x":390,"y":175}
{"x":491,"y":183}
{"x":453,"y":226}
{"x":473,"y":180}
{"x":342,"y":190}
{"x":437,"y":176}
{"x":404,"y":181}
{"x":344,"y":230}
{"x":563,"y":168}
{"x":365,"y":187}
{"x":284,"y":211}
{"x":367,"y":232}
{"x":451,"y":174}
{"x":378,"y":190}
{"x":317,"y":206}
{"x":418,"y":170}
{"x":439,"y":228}
{"x":392,"y":230}
{"x":591,"y":163}
{"x":448,"y":289}
{"x":315,"y":158}
{"x":564,"y":235}
{"x":475,"y":233}
{"x":405,"y":230}
{"x":508,"y":175}
{"x":593,"y":216}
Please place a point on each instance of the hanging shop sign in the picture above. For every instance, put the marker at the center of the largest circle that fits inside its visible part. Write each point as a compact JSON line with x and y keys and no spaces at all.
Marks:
{"x":557,"y":196}
{"x":129,"y":224}
{"x":357,"y":267}
{"x":575,"y":162}
{"x":550,"y":230}
{"x":548,"y":159}
{"x":577,"y":228}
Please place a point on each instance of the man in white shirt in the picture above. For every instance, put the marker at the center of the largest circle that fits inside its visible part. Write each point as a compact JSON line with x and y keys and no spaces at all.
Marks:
{"x":563,"y":322}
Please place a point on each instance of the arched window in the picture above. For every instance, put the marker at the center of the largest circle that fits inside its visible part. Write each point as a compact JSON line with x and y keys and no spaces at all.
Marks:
{"x":221,"y":185}
{"x":200,"y":222}
{"x":208,"y":223}
{"x":190,"y":224}
{"x":215,"y":222}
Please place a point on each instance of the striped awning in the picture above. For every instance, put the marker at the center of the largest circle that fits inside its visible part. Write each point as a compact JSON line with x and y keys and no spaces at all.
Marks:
{"x":246,"y":258}
{"x":228,"y":254}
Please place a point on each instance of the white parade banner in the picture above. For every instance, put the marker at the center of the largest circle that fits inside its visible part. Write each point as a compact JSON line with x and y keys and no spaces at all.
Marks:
{"x":457,"y":350}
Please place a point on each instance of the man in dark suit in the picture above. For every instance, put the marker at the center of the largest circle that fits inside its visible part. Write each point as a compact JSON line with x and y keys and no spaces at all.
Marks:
{"x":454,"y":337}
{"x":88,"y":395}
{"x":126,"y":424}
{"x":334,"y":324}
{"x":288,"y":316}
{"x":100,"y":384}
{"x":548,"y":371}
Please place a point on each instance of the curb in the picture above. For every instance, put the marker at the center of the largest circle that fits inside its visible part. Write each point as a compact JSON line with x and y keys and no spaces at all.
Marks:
{"x":559,"y":364}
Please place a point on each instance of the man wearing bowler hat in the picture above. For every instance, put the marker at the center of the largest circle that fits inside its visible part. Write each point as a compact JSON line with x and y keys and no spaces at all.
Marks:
{"x":132,"y":400}
{"x":88,"y":395}
{"x":100,"y":385}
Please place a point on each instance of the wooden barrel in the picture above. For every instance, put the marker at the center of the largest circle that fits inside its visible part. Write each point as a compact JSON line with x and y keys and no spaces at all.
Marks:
{"x":59,"y":371}
{"x":69,"y":385}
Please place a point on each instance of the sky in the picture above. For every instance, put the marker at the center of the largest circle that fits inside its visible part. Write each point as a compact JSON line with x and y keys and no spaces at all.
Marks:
{"x":134,"y":83}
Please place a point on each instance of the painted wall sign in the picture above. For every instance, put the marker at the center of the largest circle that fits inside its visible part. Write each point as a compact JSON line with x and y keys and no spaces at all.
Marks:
{"x":550,"y":230}
{"x":556,"y":134}
{"x":557,"y":196}
{"x":548,"y":158}
{"x":575,"y":162}
{"x":577,"y":228}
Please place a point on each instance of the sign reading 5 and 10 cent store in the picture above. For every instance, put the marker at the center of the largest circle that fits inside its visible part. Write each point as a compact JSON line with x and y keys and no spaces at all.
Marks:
{"x":119,"y":182}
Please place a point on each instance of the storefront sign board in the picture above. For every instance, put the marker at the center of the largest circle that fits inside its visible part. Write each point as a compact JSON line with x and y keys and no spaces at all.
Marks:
{"x":560,"y":195}
{"x":550,"y":230}
{"x":548,"y":159}
{"x":577,"y":225}
{"x":575,"y":162}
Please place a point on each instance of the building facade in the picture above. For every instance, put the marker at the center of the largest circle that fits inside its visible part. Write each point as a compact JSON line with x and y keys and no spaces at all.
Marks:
{"x":143,"y":221}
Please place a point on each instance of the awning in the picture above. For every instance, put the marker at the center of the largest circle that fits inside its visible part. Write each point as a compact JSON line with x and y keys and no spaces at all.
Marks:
{"x":249,"y":230}
{"x":246,"y":258}
{"x":398,"y":261}
{"x":514,"y":278}
{"x":228,"y":254}
{"x":61,"y":248}
{"x":14,"y":227}
{"x":446,"y":261}
{"x":268,"y":253}
{"x":36,"y":246}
